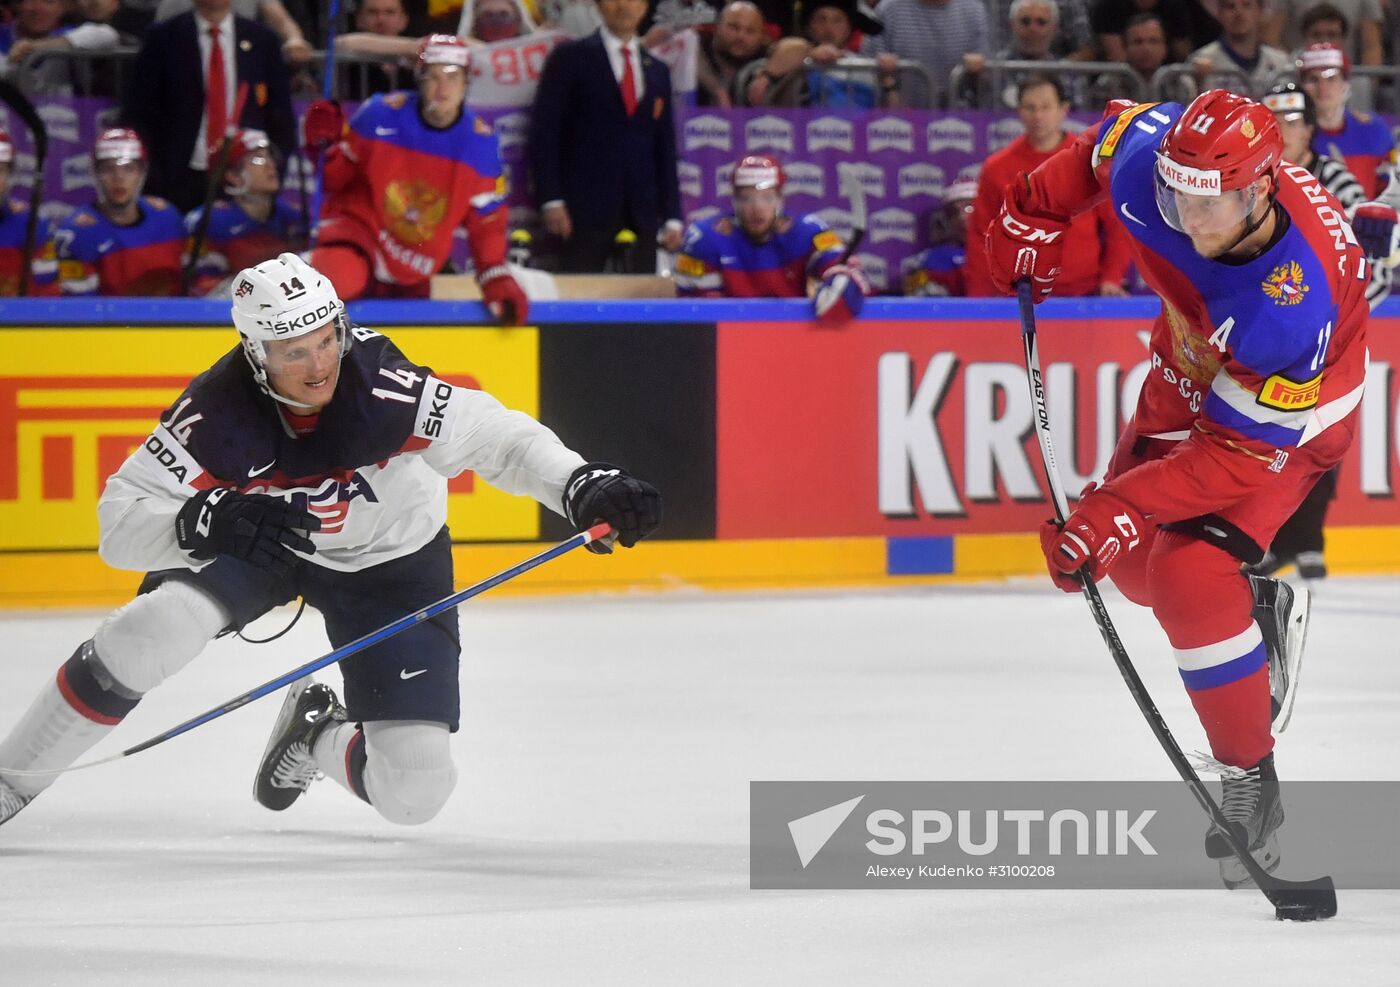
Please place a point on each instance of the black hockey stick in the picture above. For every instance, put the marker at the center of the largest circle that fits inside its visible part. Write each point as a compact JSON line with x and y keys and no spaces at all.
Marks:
{"x":1298,"y":901}
{"x":219,"y":167}
{"x":39,"y":133}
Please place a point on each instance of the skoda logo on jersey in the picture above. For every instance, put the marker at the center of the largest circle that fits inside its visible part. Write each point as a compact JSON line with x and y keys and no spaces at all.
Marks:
{"x":805,"y":178}
{"x":832,"y":132}
{"x":315,"y":317}
{"x":708,"y":131}
{"x":1285,"y":284}
{"x":920,"y":179}
{"x":953,"y":134}
{"x":891,"y":133}
{"x":892,"y":224}
{"x":768,"y":131}
{"x":331,"y":500}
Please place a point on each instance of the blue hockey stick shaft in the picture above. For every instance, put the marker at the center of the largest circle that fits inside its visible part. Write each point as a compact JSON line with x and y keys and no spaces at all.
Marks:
{"x":596,"y":533}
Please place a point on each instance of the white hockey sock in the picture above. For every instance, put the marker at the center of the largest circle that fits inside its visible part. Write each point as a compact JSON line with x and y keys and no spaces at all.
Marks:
{"x":338,"y":761}
{"x":51,"y":734}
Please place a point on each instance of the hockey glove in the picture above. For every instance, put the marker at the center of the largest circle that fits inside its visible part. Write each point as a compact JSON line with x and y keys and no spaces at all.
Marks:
{"x":840,"y":295}
{"x":322,"y":126}
{"x":503,"y":296}
{"x":1102,"y":530}
{"x":1376,"y":227}
{"x":1021,"y":244}
{"x":257,"y":528}
{"x":604,"y":492}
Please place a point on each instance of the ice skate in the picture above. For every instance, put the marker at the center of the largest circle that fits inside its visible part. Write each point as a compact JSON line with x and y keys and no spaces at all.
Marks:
{"x":288,"y":768}
{"x":1311,"y":566}
{"x":1269,"y":565}
{"x":1281,"y":611}
{"x":1251,"y":803}
{"x":11,"y":802}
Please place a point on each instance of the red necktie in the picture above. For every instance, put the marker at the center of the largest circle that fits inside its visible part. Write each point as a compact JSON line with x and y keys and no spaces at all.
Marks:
{"x":629,"y":83}
{"x":215,"y":92}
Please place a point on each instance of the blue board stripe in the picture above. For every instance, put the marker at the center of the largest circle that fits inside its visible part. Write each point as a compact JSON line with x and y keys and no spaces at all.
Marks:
{"x":922,"y":556}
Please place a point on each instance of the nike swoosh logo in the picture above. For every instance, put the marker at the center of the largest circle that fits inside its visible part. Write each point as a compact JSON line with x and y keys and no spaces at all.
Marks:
{"x":385,"y":131}
{"x":405,"y":674}
{"x":1124,"y":210}
{"x":260,"y":470}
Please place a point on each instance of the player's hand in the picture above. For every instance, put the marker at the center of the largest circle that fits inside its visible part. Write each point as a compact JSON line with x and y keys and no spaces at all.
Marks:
{"x":257,"y":528}
{"x":604,"y":492}
{"x":322,"y":125}
{"x":502,"y":295}
{"x":1377,"y":227}
{"x":1095,"y":536}
{"x":1021,"y":244}
{"x":557,"y":220}
{"x":840,"y":296}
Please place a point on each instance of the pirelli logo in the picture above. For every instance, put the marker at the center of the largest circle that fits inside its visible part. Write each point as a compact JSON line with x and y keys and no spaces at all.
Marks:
{"x":1288,"y":395}
{"x":60,"y":438}
{"x":1110,"y":141}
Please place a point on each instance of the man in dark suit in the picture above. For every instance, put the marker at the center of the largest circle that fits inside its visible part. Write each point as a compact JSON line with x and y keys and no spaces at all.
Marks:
{"x":183,"y":90}
{"x":602,"y":146}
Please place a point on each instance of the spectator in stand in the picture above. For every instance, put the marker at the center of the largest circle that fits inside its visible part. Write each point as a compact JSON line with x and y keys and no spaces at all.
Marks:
{"x":1035,"y":33}
{"x":1239,"y":52}
{"x":602,"y":145}
{"x":250,"y":225}
{"x":498,"y":20}
{"x":832,"y":29}
{"x":181,"y":121}
{"x":1338,"y":24}
{"x":124,"y":243}
{"x":1074,"y":41}
{"x":14,"y":227}
{"x":1144,"y":52}
{"x":271,"y":13}
{"x":1110,"y":18}
{"x":1360,"y":141}
{"x":757,"y":252}
{"x":937,"y":271}
{"x":677,"y":15}
{"x":935,"y":33}
{"x":1096,"y":245}
{"x":738,"y":40}
{"x":378,"y":19}
{"x":37,"y":24}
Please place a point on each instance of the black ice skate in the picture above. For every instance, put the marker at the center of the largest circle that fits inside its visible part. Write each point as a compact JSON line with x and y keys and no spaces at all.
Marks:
{"x":1251,"y":803}
{"x":1281,"y":611}
{"x":288,"y":767}
{"x":1311,"y":565}
{"x":11,"y":802}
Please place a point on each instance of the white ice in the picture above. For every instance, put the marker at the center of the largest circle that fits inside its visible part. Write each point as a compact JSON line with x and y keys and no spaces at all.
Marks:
{"x":599,"y":830}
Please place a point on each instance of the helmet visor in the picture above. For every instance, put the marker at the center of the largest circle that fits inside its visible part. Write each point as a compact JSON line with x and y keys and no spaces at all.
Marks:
{"x":1191,"y":201}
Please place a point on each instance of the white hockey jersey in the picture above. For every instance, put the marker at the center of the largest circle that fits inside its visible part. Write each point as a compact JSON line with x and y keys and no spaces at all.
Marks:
{"x":374,"y":470}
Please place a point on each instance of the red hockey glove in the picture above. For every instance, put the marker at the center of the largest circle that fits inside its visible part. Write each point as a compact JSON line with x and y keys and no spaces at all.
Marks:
{"x":503,"y":296}
{"x":1021,"y":244}
{"x":1376,"y":228}
{"x":322,"y":126}
{"x":840,"y":296}
{"x":1102,"y":530}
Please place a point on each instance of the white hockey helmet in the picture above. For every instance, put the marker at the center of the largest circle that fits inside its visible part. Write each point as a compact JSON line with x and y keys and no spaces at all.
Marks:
{"x":284,"y":298}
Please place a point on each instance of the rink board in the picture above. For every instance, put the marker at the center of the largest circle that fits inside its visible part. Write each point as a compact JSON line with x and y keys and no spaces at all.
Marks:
{"x":899,"y":449}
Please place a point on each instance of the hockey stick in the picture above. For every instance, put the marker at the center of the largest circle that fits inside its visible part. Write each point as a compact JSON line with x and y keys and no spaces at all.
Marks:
{"x":39,"y":133}
{"x":211,"y":192}
{"x":1299,"y":901}
{"x":849,"y":183}
{"x":327,"y":89}
{"x":599,"y":532}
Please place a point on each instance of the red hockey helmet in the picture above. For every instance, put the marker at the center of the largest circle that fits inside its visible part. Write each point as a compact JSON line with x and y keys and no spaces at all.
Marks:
{"x":7,"y":147}
{"x":248,"y":144}
{"x":758,"y":171}
{"x":443,"y":49}
{"x":1208,"y":162}
{"x":119,"y":144}
{"x":1324,"y":57}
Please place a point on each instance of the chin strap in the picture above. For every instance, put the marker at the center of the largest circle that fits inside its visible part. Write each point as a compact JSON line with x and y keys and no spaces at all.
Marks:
{"x":1253,"y":224}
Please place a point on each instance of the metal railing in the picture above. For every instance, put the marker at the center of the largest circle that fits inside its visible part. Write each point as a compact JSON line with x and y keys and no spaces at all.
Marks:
{"x":847,"y":75}
{"x":75,"y":71}
{"x":984,"y":87}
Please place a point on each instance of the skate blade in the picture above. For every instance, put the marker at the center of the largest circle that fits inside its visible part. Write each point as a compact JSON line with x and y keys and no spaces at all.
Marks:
{"x":1233,"y":874}
{"x":284,"y":716}
{"x":1293,"y":656}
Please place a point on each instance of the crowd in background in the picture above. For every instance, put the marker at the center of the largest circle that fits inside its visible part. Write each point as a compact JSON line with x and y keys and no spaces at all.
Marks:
{"x":1038,"y":59}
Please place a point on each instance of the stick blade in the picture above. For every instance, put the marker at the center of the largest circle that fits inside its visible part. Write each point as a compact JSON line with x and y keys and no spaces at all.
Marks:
{"x":1303,"y":901}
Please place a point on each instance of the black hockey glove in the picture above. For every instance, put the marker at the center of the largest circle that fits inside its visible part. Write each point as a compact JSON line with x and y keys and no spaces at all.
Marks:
{"x":604,"y":492}
{"x":259,"y":529}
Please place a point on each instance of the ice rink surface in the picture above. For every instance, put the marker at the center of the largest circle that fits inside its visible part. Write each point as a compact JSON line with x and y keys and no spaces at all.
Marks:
{"x":599,"y":829}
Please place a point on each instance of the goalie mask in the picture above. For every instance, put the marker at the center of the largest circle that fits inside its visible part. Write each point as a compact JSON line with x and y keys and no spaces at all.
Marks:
{"x":276,"y":302}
